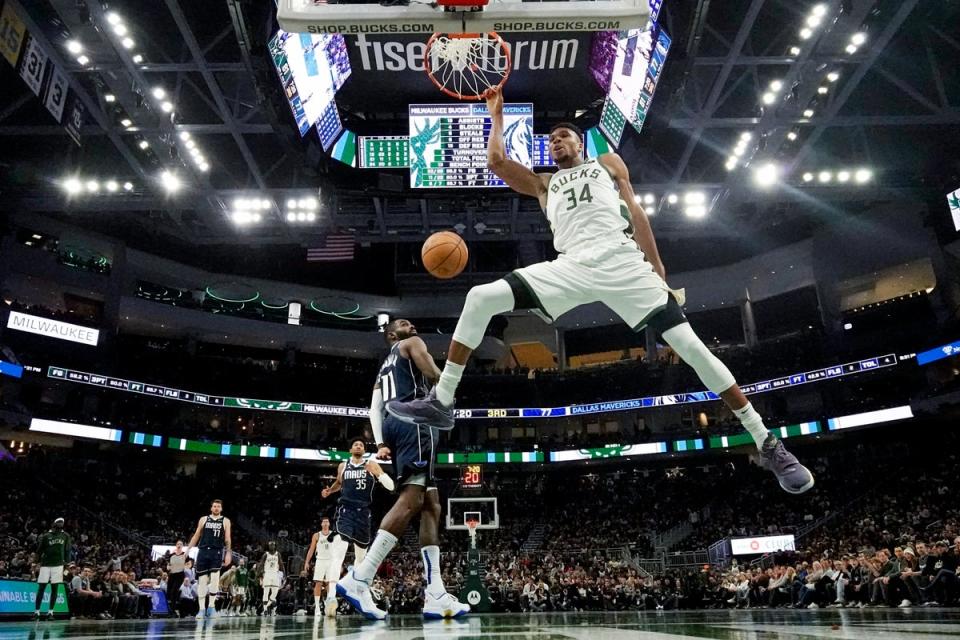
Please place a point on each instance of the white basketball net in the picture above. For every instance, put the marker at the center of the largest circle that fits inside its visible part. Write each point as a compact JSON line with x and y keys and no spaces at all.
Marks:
{"x":467,"y":67}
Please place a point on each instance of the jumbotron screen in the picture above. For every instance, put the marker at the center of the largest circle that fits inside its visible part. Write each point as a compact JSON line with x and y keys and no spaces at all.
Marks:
{"x":448,"y":143}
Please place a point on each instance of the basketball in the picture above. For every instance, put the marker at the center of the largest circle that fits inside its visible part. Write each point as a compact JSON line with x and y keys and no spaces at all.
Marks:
{"x":444,"y":255}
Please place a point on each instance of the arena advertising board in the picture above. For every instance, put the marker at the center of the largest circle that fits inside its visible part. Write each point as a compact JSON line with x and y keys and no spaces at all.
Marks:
{"x":17,"y":598}
{"x":53,"y":328}
{"x":75,"y":430}
{"x":552,"y":67}
{"x":763,"y":544}
{"x":632,"y":404}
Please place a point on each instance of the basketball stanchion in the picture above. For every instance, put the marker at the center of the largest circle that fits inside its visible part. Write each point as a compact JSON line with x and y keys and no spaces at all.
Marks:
{"x":474,"y":592}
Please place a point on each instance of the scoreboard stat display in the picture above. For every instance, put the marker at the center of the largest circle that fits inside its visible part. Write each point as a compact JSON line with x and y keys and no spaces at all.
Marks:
{"x":448,"y":143}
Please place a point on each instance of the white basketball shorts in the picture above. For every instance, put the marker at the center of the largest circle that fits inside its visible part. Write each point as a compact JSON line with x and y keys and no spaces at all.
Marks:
{"x":52,"y":575}
{"x":617,"y":275}
{"x":325,"y":571}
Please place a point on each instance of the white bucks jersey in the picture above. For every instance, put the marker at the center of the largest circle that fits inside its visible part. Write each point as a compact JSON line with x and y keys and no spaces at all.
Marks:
{"x":584,"y":209}
{"x":323,"y":546}
{"x":271,"y":566}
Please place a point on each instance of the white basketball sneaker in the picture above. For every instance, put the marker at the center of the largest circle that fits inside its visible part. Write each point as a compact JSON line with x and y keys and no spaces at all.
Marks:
{"x":357,"y":593}
{"x":446,"y":606}
{"x":330,"y":607}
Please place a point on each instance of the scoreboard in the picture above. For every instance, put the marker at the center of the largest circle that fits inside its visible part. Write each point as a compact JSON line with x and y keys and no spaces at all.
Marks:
{"x":384,"y":152}
{"x":448,"y":143}
{"x":471,"y":476}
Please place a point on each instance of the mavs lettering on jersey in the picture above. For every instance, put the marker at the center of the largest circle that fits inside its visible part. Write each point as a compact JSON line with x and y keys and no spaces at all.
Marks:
{"x":358,"y":485}
{"x":212,"y":537}
{"x":399,"y":378}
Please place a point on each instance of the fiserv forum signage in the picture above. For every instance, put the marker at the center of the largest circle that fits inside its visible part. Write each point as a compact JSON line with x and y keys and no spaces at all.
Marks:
{"x":53,"y":328}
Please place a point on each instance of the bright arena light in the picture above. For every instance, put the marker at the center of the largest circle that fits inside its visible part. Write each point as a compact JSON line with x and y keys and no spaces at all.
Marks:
{"x":822,"y":90}
{"x":144,"y":144}
{"x":112,"y":186}
{"x":769,"y":98}
{"x":138,"y":58}
{"x":814,"y":21}
{"x":863,"y":175}
{"x":128,"y":186}
{"x":695,"y":211}
{"x":291,"y":204}
{"x":843,"y":176}
{"x":851,"y":49}
{"x":184,"y":135}
{"x":649,"y":199}
{"x":808,"y":177}
{"x":120,"y":29}
{"x":159,"y":93}
{"x":83,"y":60}
{"x":291,"y":216}
{"x":128,"y":43}
{"x":825,"y":176}
{"x":794,"y":51}
{"x":113,"y":18}
{"x":746,"y":136}
{"x":72,"y":186}
{"x":694,"y":197}
{"x":302,"y":216}
{"x":776,"y":85}
{"x":731,"y":163}
{"x":170,"y":181}
{"x":167,"y":107}
{"x":833,"y":76}
{"x":858,"y":38}
{"x":819,"y":10}
{"x":766,"y":175}
{"x":311,"y":217}
{"x":126,"y":122}
{"x":93,"y":186}
{"x":792,"y":136}
{"x":312,"y":203}
{"x":74,"y":47}
{"x":109,"y":97}
{"x":672,"y":198}
{"x":805,"y":33}
{"x":808,"y":113}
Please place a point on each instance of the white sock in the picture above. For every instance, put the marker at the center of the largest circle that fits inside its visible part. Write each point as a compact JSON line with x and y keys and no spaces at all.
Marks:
{"x":316,"y":603}
{"x":431,"y":569}
{"x":449,"y":379}
{"x":331,"y":590}
{"x":377,"y":551}
{"x":753,"y":423}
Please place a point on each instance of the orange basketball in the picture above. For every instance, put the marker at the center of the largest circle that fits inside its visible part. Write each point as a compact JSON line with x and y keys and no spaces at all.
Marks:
{"x":444,"y":254}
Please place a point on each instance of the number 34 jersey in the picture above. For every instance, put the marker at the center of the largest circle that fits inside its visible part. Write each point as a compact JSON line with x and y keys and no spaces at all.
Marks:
{"x":584,"y":209}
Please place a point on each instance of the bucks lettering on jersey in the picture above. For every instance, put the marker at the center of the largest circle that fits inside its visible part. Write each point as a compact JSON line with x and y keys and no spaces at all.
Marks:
{"x":399,"y":378}
{"x":583,"y":207}
{"x":357,"y":488}
{"x":53,"y":548}
{"x":212,"y":536}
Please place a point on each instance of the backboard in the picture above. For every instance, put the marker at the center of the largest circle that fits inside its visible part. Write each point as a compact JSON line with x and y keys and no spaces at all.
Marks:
{"x":482,"y":510}
{"x":355,"y":18}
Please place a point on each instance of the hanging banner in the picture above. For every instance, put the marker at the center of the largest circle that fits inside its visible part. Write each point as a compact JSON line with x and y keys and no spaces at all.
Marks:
{"x":33,"y":65}
{"x":12,"y":31}
{"x":75,"y":116}
{"x":57,"y":90}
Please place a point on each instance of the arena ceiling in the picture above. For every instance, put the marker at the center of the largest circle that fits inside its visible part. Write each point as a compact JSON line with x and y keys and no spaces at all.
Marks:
{"x":197,"y":76}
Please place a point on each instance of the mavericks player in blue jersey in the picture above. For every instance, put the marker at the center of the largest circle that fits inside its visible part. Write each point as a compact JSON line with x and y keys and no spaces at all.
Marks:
{"x":403,"y":377}
{"x":604,"y":256}
{"x":212,"y":538}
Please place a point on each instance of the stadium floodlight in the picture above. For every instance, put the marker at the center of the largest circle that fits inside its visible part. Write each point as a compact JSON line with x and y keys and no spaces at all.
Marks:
{"x":184,"y":135}
{"x":311,"y":217}
{"x":138,"y":58}
{"x":302,"y":216}
{"x":851,"y":49}
{"x":74,"y":47}
{"x":792,"y":136}
{"x":265,"y":204}
{"x":650,"y":199}
{"x":126,"y":122}
{"x":637,"y":198}
{"x":769,"y":97}
{"x":109,"y":97}
{"x":833,"y":76}
{"x":112,"y":186}
{"x":93,"y":186}
{"x":825,"y":176}
{"x":120,"y":29}
{"x":746,"y":136}
{"x":819,"y":10}
{"x":170,"y":181}
{"x":858,"y":38}
{"x":128,"y":43}
{"x":83,"y":60}
{"x":814,"y":21}
{"x":291,"y":204}
{"x":113,"y":18}
{"x":776,"y":85}
{"x":291,"y":216}
{"x":766,"y":175}
{"x":256,"y":217}
{"x":805,"y":33}
{"x":738,"y":150}
{"x":694,"y":197}
{"x":695,"y":211}
{"x":312,"y":203}
{"x":167,"y":107}
{"x":808,"y":113}
{"x":240,"y":217}
{"x":189,"y":144}
{"x":862,"y":176}
{"x":203,"y":166}
{"x":72,"y":186}
{"x":128,"y":186}
{"x":808,"y":177}
{"x":159,"y":93}
{"x":673,"y":198}
{"x":143,"y":144}
{"x":731,"y":163}
{"x":794,"y":51}
{"x":822,"y":90}
{"x":843,"y":176}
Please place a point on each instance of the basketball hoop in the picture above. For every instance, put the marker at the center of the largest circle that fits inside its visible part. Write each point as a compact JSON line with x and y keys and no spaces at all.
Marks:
{"x":472,"y":529}
{"x":467,"y":66}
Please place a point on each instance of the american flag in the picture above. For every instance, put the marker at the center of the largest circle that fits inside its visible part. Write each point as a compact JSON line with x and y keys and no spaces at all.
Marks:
{"x":337,"y":247}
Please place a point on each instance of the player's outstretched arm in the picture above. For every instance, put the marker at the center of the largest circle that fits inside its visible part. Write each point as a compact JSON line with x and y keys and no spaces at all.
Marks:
{"x":518,"y":177}
{"x":337,"y":484}
{"x":376,"y":415}
{"x":642,"y":232}
{"x":414,"y":348}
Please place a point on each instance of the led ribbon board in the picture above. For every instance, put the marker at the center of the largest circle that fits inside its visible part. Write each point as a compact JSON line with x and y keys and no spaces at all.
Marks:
{"x":222,"y":449}
{"x":817,"y":375}
{"x":326,"y":455}
{"x":491,"y":457}
{"x":612,"y":451}
{"x":75,"y":430}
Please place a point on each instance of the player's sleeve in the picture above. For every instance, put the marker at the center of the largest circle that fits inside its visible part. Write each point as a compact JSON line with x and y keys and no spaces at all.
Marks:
{"x":376,"y":414}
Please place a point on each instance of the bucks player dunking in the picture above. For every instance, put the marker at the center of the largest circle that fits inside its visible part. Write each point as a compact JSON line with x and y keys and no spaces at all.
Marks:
{"x":212,"y":538}
{"x":598,"y":262}
{"x":402,"y":377}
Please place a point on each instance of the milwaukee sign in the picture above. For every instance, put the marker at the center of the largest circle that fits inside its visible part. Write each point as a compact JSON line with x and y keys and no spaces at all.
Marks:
{"x":53,"y":328}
